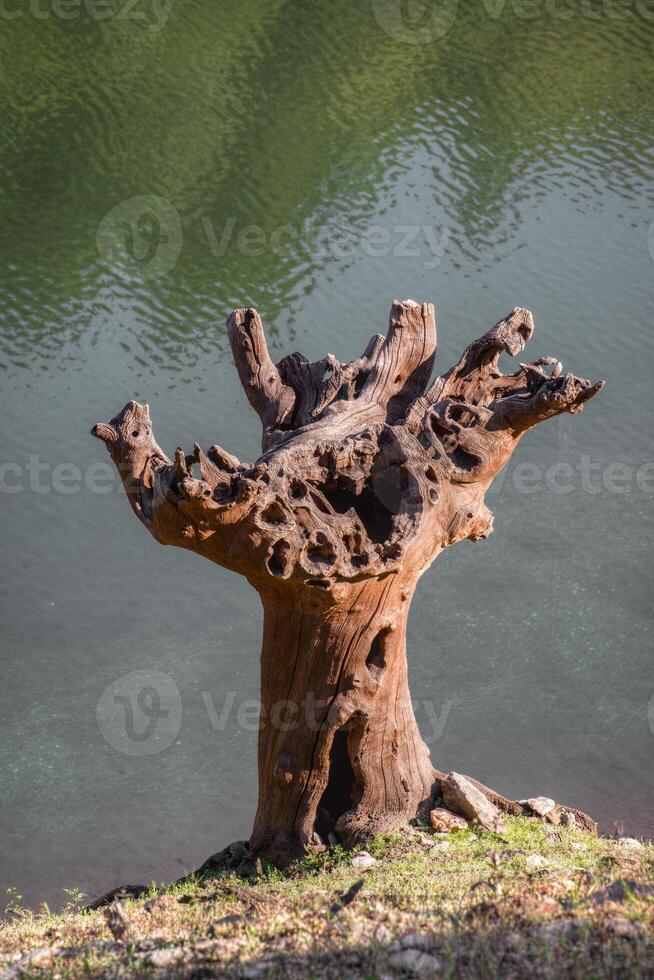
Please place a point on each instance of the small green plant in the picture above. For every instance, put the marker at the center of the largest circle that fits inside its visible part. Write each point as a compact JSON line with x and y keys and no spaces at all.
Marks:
{"x":13,"y":906}
{"x":75,"y":899}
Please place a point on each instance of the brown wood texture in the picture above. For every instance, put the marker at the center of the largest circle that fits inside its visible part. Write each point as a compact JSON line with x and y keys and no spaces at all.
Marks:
{"x":368,"y":472}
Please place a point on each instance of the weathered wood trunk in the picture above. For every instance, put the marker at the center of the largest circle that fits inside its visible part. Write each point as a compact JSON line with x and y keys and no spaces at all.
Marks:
{"x":339,"y":749}
{"x":367,"y":473}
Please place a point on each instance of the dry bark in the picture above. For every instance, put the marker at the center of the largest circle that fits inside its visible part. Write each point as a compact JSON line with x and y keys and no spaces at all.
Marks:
{"x":367,"y":474}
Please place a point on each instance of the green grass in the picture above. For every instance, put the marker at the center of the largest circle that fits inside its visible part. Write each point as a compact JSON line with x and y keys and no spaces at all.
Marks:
{"x":481,"y":904}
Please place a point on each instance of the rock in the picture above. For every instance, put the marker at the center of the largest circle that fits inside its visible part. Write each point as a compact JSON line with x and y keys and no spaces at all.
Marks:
{"x":413,"y":952}
{"x":540,"y":805}
{"x":443,"y":820}
{"x":382,"y":934}
{"x":122,"y":892}
{"x":167,"y":958}
{"x":568,"y":820}
{"x":36,"y":959}
{"x":363,"y":860}
{"x":623,"y":927}
{"x":258,"y":968}
{"x":231,"y":857}
{"x":460,"y":795}
{"x":534,"y":863}
{"x":414,"y":940}
{"x":564,"y":928}
{"x":415,"y":961}
{"x":363,"y":931}
{"x":630,"y":843}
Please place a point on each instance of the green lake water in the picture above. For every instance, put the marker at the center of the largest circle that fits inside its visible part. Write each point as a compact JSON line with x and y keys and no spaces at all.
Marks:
{"x":164,"y":162}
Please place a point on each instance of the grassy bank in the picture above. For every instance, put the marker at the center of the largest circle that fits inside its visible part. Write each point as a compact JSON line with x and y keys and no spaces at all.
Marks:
{"x":542,"y":902}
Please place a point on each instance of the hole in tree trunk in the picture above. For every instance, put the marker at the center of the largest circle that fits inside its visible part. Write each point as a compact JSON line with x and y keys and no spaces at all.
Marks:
{"x":338,"y":796}
{"x":278,"y":561}
{"x":370,"y":509}
{"x":376,"y":659}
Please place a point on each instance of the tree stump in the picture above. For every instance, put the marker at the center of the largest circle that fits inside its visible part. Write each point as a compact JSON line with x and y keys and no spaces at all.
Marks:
{"x":368,"y":472}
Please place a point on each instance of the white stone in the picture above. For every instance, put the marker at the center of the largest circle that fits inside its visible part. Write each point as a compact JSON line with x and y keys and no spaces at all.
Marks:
{"x":539,"y":804}
{"x":363,"y":860}
{"x":631,"y":843}
{"x":534,"y":862}
{"x":415,"y":961}
{"x":414,"y":940}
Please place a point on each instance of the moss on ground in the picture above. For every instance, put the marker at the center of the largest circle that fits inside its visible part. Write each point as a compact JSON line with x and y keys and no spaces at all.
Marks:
{"x":543,"y":902}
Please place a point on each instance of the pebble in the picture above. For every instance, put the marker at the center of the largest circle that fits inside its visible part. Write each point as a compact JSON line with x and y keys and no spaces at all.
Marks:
{"x":363,"y":860}
{"x":631,"y":843}
{"x":414,"y":940}
{"x":541,"y":805}
{"x":164,"y":959}
{"x":534,"y":862}
{"x":415,"y":961}
{"x":444,"y":820}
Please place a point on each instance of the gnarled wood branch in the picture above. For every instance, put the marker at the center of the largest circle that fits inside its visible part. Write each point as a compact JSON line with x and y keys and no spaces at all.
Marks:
{"x":367,"y":473}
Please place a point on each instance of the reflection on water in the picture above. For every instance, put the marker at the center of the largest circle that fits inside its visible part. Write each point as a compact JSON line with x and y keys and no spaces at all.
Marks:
{"x":314,"y":160}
